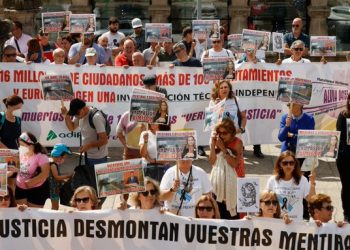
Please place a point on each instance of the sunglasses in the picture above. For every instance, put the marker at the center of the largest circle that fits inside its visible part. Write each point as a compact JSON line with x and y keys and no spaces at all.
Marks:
{"x":208,"y":209}
{"x":295,"y":25}
{"x":329,"y":208}
{"x":298,"y":49}
{"x":216,"y":41}
{"x":84,"y":200}
{"x":4,"y":198}
{"x":151,"y":192}
{"x":10,"y":55}
{"x":250,"y":50}
{"x":268,"y":203}
{"x":286,"y":163}
{"x":222,"y":132}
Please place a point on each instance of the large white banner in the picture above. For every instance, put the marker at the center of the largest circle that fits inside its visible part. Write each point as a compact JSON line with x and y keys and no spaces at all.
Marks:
{"x":134,"y":229}
{"x":109,"y":88}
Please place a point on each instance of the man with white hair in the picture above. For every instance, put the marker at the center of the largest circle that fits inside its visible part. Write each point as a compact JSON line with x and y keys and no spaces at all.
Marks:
{"x":58,"y":56}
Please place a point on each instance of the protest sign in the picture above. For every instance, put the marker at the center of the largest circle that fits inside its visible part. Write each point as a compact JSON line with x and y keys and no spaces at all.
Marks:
{"x":216,"y":68}
{"x":3,"y":179}
{"x":348,"y":131}
{"x":119,"y":177}
{"x":259,"y":40}
{"x":309,"y":164}
{"x":234,"y":43}
{"x":158,"y":32}
{"x":295,"y":90}
{"x":277,"y":42}
{"x":248,"y":190}
{"x":203,"y":29}
{"x":82,"y":23}
{"x":57,"y":87}
{"x":317,"y":143}
{"x":213,"y":115}
{"x":148,"y":106}
{"x":176,"y":145}
{"x":323,"y":46}
{"x":53,"y":22}
{"x":148,"y":229}
{"x":10,"y":157}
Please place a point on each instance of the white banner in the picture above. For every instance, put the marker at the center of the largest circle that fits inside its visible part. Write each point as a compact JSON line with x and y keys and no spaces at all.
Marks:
{"x":109,"y":88}
{"x":134,"y":229}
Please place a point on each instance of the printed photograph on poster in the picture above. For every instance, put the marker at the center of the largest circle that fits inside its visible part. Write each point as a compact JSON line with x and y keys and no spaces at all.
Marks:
{"x":277,"y":42}
{"x":3,"y":179}
{"x":234,"y":43}
{"x":119,"y":177}
{"x":260,"y":40}
{"x":317,"y":143}
{"x":57,"y":87}
{"x":53,"y":22}
{"x":348,"y":131}
{"x":203,"y":29}
{"x":82,"y":23}
{"x":248,"y":191}
{"x":295,"y":90}
{"x":176,"y":145}
{"x":11,"y":158}
{"x":323,"y":46}
{"x":148,"y":106}
{"x":213,"y":115}
{"x":158,"y":32}
{"x":216,"y":68}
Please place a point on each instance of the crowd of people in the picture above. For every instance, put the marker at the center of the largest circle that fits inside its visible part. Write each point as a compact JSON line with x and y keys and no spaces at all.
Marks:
{"x":183,"y":189}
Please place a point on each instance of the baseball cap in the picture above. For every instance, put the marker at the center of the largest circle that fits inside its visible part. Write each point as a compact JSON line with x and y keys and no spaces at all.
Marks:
{"x":136,"y":23}
{"x":90,"y":52}
{"x":60,"y":149}
{"x":149,"y":80}
{"x":75,"y":105}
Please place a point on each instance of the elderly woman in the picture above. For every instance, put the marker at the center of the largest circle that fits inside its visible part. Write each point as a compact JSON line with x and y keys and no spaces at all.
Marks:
{"x":84,"y":199}
{"x":149,"y":199}
{"x":226,"y":157}
{"x":207,"y":208}
{"x":290,"y":185}
{"x":297,"y":49}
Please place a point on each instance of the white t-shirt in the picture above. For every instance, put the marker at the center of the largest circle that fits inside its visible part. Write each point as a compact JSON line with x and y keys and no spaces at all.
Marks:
{"x":22,"y":43}
{"x":148,"y":54}
{"x":199,"y":184}
{"x":290,"y":195}
{"x":211,"y":53}
{"x":111,"y":37}
{"x":290,"y":60}
{"x":151,"y":145}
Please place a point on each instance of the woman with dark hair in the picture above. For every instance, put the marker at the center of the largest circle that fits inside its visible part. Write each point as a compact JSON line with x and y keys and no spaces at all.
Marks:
{"x":207,"y":208}
{"x":66,"y":43}
{"x":85,"y":199}
{"x":149,"y":199}
{"x":290,"y":185}
{"x":35,"y":53}
{"x":331,"y":149}
{"x":344,"y":158}
{"x":32,"y":186}
{"x":230,"y":71}
{"x":190,"y":149}
{"x":226,"y":157}
{"x":162,"y":113}
{"x":7,"y":200}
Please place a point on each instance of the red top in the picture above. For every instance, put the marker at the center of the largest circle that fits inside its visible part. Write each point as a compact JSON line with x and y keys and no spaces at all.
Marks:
{"x":121,"y":60}
{"x":240,"y":168}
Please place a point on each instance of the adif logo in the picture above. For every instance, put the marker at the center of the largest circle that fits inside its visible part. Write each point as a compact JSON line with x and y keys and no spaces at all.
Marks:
{"x":51,"y":136}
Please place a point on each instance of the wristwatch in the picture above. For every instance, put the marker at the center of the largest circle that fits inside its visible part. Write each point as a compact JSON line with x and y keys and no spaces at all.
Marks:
{"x":242,"y":130}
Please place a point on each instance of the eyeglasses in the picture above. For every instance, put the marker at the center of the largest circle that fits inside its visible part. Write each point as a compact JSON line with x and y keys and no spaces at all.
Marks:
{"x":268,"y":203}
{"x":250,"y":50}
{"x":216,"y":41}
{"x":329,"y":208}
{"x":285,"y":163}
{"x":298,"y":49}
{"x":151,"y":192}
{"x":10,"y":55}
{"x":208,"y":209}
{"x":4,"y":198}
{"x":222,"y":132}
{"x":84,"y":200}
{"x":295,"y":25}
{"x":177,"y":51}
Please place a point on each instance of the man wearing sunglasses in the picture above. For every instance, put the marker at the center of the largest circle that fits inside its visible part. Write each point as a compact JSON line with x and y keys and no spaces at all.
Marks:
{"x":217,"y":49}
{"x":297,"y":49}
{"x":9,"y":54}
{"x":296,"y":34}
{"x":182,"y":58}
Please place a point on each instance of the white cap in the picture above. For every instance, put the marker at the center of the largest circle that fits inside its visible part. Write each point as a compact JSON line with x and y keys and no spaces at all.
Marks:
{"x":136,"y":23}
{"x":90,"y":52}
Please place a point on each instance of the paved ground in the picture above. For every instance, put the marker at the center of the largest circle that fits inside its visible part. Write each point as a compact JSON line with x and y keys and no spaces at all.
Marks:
{"x":327,"y":182}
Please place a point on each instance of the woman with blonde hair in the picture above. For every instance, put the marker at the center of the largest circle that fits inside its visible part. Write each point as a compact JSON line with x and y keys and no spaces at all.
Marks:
{"x":84,"y":199}
{"x":149,"y":199}
{"x":207,"y":208}
{"x":269,"y":205}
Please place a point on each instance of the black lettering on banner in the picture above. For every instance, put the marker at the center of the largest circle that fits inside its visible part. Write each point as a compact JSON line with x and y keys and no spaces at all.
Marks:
{"x":78,"y":227}
{"x":154,"y":225}
{"x":201,"y":233}
{"x":61,"y":228}
{"x":290,"y":240}
{"x":174,"y":232}
{"x":26,"y":225}
{"x":143,"y":230}
{"x":16,"y":231}
{"x":89,"y":228}
{"x":244,"y":239}
{"x":163,"y":231}
{"x":312,"y":241}
{"x":267,"y":234}
{"x":189,"y":232}
{"x":338,"y":244}
{"x":347,"y":242}
{"x":116,"y":230}
{"x":301,"y":241}
{"x":330,"y":239}
{"x":255,"y":237}
{"x":234,"y":231}
{"x":323,"y":236}
{"x":101,"y":232}
{"x":130,"y":229}
{"x":212,"y":234}
{"x":42,"y":227}
{"x":223,"y":238}
{"x":5,"y":228}
{"x":34,"y":228}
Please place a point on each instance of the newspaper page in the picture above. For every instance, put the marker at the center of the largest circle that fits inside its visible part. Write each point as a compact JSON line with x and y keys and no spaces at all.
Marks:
{"x":120,"y":177}
{"x":3,"y":179}
{"x":176,"y":145}
{"x":203,"y":29}
{"x":214,"y":115}
{"x":158,"y":32}
{"x":259,"y":40}
{"x":57,"y":87}
{"x":295,"y":90}
{"x":54,"y":22}
{"x":82,"y":23}
{"x":317,"y":143}
{"x":234,"y":43}
{"x":11,"y":158}
{"x":323,"y":46}
{"x":277,"y":42}
{"x":216,"y":68}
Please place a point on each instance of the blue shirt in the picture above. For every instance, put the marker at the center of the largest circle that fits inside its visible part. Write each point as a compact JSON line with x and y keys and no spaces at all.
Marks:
{"x":289,"y":39}
{"x":102,"y":57}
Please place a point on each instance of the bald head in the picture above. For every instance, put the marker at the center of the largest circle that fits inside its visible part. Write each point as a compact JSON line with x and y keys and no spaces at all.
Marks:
{"x":138,"y":59}
{"x":297,"y":25}
{"x":129,"y":47}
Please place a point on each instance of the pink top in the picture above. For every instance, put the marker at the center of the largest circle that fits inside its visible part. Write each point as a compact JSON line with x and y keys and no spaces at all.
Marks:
{"x":28,"y":167}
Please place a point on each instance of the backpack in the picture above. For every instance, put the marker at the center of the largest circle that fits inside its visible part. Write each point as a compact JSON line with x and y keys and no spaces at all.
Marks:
{"x":3,"y":117}
{"x":91,"y":123}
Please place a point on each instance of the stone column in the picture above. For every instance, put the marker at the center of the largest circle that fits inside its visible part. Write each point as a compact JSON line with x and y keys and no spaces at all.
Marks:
{"x":239,"y":12}
{"x":318,"y":12}
{"x":26,"y":17}
{"x":81,"y":6}
{"x":159,"y":11}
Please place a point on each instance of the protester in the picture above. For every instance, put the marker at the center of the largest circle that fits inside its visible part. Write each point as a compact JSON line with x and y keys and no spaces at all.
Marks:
{"x":125,"y":58}
{"x":58,"y":155}
{"x":296,"y":50}
{"x":91,"y":58}
{"x":207,"y":208}
{"x":162,"y":115}
{"x":46,"y":45}
{"x":181,"y":187}
{"x":85,"y":199}
{"x":34,"y":51}
{"x":67,"y":42}
{"x":217,"y":49}
{"x":149,"y":53}
{"x":9,"y":54}
{"x":7,"y":200}
{"x":269,"y":205}
{"x":103,"y":43}
{"x":187,"y":40}
{"x":296,"y":34}
{"x":226,"y":157}
{"x":290,"y":185}
{"x":182,"y":58}
{"x":59,"y":56}
{"x":32,"y":186}
{"x":138,"y":60}
{"x":164,"y":54}
{"x":344,"y":158}
{"x":139,"y":34}
{"x":150,"y":83}
{"x":148,"y":199}
{"x":114,"y":36}
{"x":190,"y":148}
{"x":19,"y":40}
